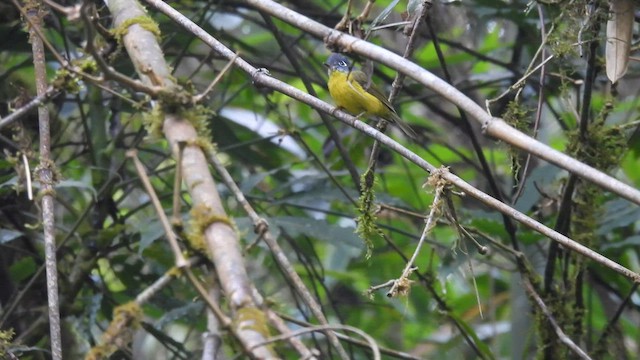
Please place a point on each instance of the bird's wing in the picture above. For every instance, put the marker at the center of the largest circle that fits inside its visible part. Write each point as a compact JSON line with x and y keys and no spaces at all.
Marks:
{"x":354,"y":77}
{"x":362,"y":79}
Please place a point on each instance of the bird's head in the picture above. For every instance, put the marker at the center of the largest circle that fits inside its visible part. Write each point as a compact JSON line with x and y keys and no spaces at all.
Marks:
{"x":338,"y":62}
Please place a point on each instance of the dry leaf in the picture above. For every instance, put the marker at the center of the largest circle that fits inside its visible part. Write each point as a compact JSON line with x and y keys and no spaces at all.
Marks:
{"x":619,"y":32}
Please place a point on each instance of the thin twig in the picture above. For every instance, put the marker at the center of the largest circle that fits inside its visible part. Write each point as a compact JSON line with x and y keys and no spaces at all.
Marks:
{"x":177,"y":186}
{"x":370,"y":341}
{"x":463,"y":235}
{"x":388,"y":284}
{"x":611,"y":324}
{"x":226,"y":322}
{"x":69,"y":233}
{"x":162,"y":281}
{"x":171,"y":236}
{"x":386,"y":351}
{"x":590,"y":76}
{"x":561,"y":335}
{"x":212,"y":338}
{"x":301,"y":348}
{"x":39,"y":100}
{"x":536,"y":124}
{"x":396,"y":86}
{"x":181,"y":262}
{"x":518,"y":84}
{"x":429,"y":223}
{"x":217,"y":79}
{"x":46,"y":176}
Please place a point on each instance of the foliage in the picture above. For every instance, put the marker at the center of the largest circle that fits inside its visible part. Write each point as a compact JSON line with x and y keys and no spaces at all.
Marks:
{"x":301,"y":171}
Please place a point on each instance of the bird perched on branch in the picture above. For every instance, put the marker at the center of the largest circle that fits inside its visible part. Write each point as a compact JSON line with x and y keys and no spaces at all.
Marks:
{"x":348,"y":88}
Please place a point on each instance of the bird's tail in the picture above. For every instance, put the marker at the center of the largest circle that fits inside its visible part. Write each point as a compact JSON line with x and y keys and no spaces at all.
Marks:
{"x":395,"y":119}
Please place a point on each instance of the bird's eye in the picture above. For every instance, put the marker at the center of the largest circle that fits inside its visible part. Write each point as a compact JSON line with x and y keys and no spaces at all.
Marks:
{"x":342,"y":63}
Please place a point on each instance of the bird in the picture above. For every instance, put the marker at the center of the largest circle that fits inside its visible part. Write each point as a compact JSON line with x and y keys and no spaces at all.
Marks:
{"x":349,"y":90}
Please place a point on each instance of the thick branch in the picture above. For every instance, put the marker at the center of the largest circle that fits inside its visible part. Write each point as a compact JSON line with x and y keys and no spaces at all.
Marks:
{"x":221,"y":239}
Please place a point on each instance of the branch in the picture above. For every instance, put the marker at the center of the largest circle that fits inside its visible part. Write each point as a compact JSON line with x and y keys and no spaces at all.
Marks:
{"x":38,"y":101}
{"x":46,"y":175}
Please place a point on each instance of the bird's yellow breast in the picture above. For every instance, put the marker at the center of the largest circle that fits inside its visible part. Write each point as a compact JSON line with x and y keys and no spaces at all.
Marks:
{"x":351,"y":96}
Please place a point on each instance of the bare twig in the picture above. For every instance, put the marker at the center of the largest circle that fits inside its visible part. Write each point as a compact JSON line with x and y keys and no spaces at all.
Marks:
{"x":181,"y":262}
{"x":212,"y":338}
{"x":226,"y":322}
{"x":46,"y":175}
{"x":601,"y":344}
{"x":519,"y":84}
{"x":373,"y":345}
{"x":162,"y":281}
{"x":346,"y":18}
{"x":388,"y":284}
{"x":561,"y":335}
{"x":536,"y":124}
{"x":393,"y":353}
{"x":216,"y":80}
{"x":39,"y":100}
{"x":436,"y":179}
{"x":69,"y":234}
{"x":171,"y":236}
{"x":301,"y":348}
{"x":465,"y":235}
{"x":409,"y":48}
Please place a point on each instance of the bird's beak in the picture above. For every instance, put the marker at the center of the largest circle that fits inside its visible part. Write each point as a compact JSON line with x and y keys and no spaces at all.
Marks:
{"x":326,"y":65}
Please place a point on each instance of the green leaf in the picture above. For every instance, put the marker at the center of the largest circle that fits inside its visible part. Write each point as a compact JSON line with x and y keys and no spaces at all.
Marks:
{"x":618,"y":213}
{"x":632,"y":241}
{"x":318,"y":229}
{"x":480,"y":345}
{"x":149,"y":232}
{"x":22,"y":269}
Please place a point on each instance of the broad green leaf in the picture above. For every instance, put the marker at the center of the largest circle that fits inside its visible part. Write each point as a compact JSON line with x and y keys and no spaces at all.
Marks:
{"x":22,"y":269}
